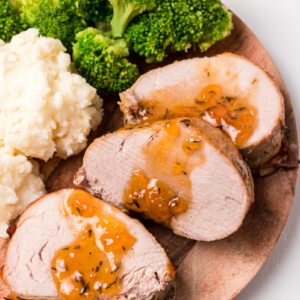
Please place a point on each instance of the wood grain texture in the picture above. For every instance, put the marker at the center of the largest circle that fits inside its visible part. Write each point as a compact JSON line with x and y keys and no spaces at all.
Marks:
{"x":221,"y":269}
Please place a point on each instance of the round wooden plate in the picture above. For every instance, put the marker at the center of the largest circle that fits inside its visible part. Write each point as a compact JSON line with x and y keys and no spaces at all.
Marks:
{"x":220,"y":269}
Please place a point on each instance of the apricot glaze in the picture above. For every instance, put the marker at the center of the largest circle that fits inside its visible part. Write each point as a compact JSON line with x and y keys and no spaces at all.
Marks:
{"x":230,"y":113}
{"x":91,"y":265}
{"x":152,"y":197}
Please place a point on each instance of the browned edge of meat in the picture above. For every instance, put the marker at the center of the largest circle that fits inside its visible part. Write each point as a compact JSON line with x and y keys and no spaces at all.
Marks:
{"x":64,"y":233}
{"x":256,"y":155}
{"x":99,"y":161}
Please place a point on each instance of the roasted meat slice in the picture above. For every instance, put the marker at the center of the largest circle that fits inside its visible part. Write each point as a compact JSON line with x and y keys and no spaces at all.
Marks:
{"x":70,"y":245}
{"x":182,"y":173}
{"x":228,"y":91}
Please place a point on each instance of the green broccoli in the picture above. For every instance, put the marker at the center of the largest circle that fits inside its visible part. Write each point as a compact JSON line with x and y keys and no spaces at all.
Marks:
{"x":53,"y":18}
{"x":10,"y":22}
{"x":101,"y":61}
{"x":176,"y":25}
{"x":95,"y":10}
{"x":125,"y":10}
{"x":100,"y":56}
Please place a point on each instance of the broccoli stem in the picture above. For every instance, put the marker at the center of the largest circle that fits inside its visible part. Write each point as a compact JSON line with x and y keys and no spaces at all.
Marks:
{"x":123,"y":13}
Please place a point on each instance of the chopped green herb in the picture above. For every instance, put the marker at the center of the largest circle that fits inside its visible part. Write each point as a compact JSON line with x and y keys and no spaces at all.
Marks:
{"x":110,"y":285}
{"x":84,"y":289}
{"x":240,"y":108}
{"x":229,"y":98}
{"x":130,"y":201}
{"x":78,"y":276}
{"x":79,"y":211}
{"x":115,"y":267}
{"x":216,"y":101}
{"x":82,"y":281}
{"x":199,"y":101}
{"x":151,"y":137}
{"x":210,"y":108}
{"x":136,"y":203}
{"x":187,"y":122}
{"x":146,"y":108}
{"x":77,"y":247}
{"x":167,"y":113}
{"x":90,"y":232}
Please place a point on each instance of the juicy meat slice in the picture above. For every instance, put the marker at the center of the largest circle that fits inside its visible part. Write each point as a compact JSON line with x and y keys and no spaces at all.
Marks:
{"x":195,"y":160}
{"x":43,"y":229}
{"x":237,"y":90}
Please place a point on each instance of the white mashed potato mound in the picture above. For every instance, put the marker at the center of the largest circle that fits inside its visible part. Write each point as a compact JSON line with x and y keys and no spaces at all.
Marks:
{"x":44,"y":108}
{"x":20,"y":184}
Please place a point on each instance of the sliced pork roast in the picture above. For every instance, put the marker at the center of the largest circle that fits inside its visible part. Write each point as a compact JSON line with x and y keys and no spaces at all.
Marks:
{"x":70,"y":245}
{"x":227,"y":90}
{"x":182,"y":173}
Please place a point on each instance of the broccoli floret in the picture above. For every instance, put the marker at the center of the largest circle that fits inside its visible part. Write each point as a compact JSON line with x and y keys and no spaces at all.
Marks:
{"x":177,"y":25}
{"x":125,"y":10}
{"x":53,"y":18}
{"x":10,"y":22}
{"x":95,"y":10}
{"x":101,"y":61}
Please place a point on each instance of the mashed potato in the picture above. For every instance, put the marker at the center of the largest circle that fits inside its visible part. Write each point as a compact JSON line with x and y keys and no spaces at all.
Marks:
{"x":44,"y":108}
{"x":20,"y":184}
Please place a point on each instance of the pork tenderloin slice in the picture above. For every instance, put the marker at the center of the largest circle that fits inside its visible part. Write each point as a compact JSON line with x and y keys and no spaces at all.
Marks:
{"x":220,"y":190}
{"x":42,"y":230}
{"x":179,"y":84}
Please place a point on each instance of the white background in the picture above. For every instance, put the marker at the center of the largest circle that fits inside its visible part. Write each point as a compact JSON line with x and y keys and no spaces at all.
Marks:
{"x":276,"y":23}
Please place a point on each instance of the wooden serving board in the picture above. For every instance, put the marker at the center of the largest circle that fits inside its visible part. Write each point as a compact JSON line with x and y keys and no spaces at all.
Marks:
{"x":220,"y":269}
